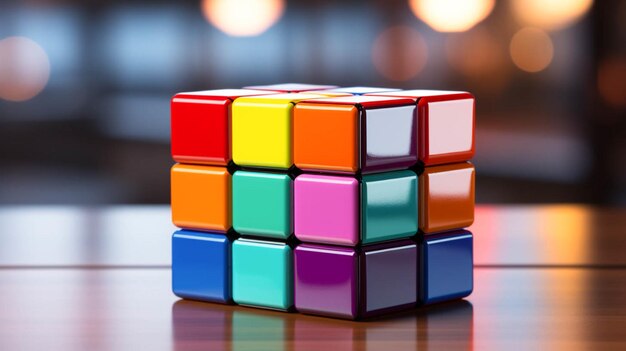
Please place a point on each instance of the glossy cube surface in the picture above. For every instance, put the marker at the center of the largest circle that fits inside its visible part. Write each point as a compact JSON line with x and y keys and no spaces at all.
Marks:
{"x":446,"y":266}
{"x":262,"y":130}
{"x":200,"y":125}
{"x":339,"y":210}
{"x":291,"y":87}
{"x":201,"y":266}
{"x":201,"y":197}
{"x":361,"y":90}
{"x":262,"y":204}
{"x":351,"y":133}
{"x":445,"y":124}
{"x":262,"y":274}
{"x":446,"y":197}
{"x":355,"y":283}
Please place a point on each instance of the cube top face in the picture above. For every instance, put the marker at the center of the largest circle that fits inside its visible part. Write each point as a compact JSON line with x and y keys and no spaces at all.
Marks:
{"x":388,"y":206}
{"x":445,"y":124}
{"x":200,"y":125}
{"x":326,"y":209}
{"x":291,"y":87}
{"x":326,"y":280}
{"x":339,"y":210}
{"x":201,"y":197}
{"x":446,"y":267}
{"x":262,"y":204}
{"x":359,"y":133}
{"x":446,"y":197}
{"x":201,"y":266}
{"x":360,"y":90}
{"x":262,"y":274}
{"x":262,"y":130}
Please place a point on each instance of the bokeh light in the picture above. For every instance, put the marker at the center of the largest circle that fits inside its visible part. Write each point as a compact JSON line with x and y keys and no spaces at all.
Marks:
{"x":399,"y":53}
{"x":243,"y":17}
{"x":24,"y":69}
{"x":531,"y":49}
{"x":550,"y":14}
{"x":451,"y":15}
{"x":612,"y":81}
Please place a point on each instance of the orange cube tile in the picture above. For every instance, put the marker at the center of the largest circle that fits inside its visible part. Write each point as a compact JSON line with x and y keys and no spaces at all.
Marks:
{"x":201,"y":197}
{"x":446,"y":197}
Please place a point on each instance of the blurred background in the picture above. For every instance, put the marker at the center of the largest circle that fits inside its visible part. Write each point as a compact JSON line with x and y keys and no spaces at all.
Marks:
{"x":85,"y":85}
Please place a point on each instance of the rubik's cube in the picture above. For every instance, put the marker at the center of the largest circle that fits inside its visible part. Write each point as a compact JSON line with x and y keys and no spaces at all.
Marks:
{"x":342,"y":202}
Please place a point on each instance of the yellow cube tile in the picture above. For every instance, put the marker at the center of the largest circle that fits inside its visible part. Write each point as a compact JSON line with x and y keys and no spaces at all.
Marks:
{"x":261,"y":129}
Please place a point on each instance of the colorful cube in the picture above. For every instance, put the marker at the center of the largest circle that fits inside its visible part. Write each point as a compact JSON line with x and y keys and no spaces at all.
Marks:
{"x":262,"y":204}
{"x":201,"y":197}
{"x":342,"y":210}
{"x":201,"y":266}
{"x":201,"y":125}
{"x":341,"y":202}
{"x":446,"y":267}
{"x":262,"y":274}
{"x":445,"y":123}
{"x":355,"y":133}
{"x":355,"y":283}
{"x":446,"y":197}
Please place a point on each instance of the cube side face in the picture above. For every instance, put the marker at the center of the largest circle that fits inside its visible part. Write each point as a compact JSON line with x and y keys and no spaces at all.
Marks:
{"x":262,"y":133}
{"x":446,"y":129}
{"x":326,"y":281}
{"x":446,"y":197}
{"x":326,"y":209}
{"x":389,"y":138}
{"x":200,"y":130}
{"x":389,"y":278}
{"x":262,"y":274}
{"x":389,"y":206}
{"x":201,"y":266}
{"x":262,"y":204}
{"x":201,"y":197}
{"x":446,"y":267}
{"x":326,"y":137}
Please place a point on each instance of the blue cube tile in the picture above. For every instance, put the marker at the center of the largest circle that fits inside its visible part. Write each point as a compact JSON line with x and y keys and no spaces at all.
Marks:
{"x":446,"y":266}
{"x":201,"y":264}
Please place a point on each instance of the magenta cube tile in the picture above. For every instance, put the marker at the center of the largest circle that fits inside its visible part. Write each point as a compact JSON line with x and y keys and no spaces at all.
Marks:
{"x":326,"y":209}
{"x":355,"y":283}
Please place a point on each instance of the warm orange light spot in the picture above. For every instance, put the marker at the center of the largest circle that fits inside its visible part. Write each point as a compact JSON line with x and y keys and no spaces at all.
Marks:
{"x":399,"y":53}
{"x":612,"y":81}
{"x":451,"y":15}
{"x":243,"y":17}
{"x":24,"y":69}
{"x":531,"y":49}
{"x":550,"y":14}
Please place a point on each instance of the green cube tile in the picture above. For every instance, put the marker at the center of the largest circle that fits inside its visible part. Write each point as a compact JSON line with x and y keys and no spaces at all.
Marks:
{"x":262,"y":274}
{"x":388,"y":206}
{"x":262,"y":204}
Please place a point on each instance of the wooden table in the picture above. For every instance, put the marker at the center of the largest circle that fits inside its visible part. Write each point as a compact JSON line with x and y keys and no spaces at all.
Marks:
{"x":72,"y":278}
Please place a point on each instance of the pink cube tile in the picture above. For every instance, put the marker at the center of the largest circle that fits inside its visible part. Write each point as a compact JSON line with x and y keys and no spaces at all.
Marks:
{"x":326,"y":209}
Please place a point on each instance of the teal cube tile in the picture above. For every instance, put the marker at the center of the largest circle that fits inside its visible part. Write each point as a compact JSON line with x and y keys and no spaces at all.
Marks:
{"x":388,"y":206}
{"x":262,"y":274}
{"x":262,"y":204}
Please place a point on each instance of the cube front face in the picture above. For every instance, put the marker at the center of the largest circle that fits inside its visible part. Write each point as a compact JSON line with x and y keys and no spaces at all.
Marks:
{"x":446,"y":197}
{"x":389,"y":206}
{"x":349,"y":283}
{"x":262,"y":204}
{"x":446,"y":267}
{"x":262,"y":274}
{"x":326,"y":137}
{"x":326,"y":209}
{"x":201,"y":197}
{"x":326,"y":280}
{"x":201,"y":266}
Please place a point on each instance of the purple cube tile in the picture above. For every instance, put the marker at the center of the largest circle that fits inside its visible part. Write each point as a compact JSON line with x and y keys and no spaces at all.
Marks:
{"x":355,"y":283}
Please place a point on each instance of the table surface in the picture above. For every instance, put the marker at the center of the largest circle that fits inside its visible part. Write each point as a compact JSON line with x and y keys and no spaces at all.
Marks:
{"x":75,"y":278}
